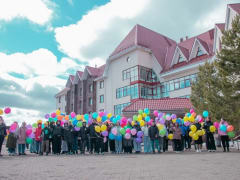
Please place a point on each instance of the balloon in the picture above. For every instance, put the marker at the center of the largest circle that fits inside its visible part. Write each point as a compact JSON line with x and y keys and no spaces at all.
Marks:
{"x":73,"y":114}
{"x":101,"y":114}
{"x":86,"y":117}
{"x":29,"y":126}
{"x":191,"y":133}
{"x":192,"y":111}
{"x":144,"y":115}
{"x":58,"y":112}
{"x":212,"y":129}
{"x":160,"y":126}
{"x":223,"y":128}
{"x":216,"y":124}
{"x":122,"y":131}
{"x":162,"y":121}
{"x":168,"y":117}
{"x":231,"y":134}
{"x":29,"y":141}
{"x":155,"y":113}
{"x":139,"y":117}
{"x":140,"y":111}
{"x":111,"y":136}
{"x":28,"y":132}
{"x":59,"y":117}
{"x":170,"y":136}
{"x":138,"y":140}
{"x":147,"y":118}
{"x":205,"y":114}
{"x":187,"y":123}
{"x":103,"y":127}
{"x":162,"y":132}
{"x":193,"y":128}
{"x":90,"y":121}
{"x":128,"y":130}
{"x":147,"y":111}
{"x":174,"y":116}
{"x":135,"y":118}
{"x":179,"y":121}
{"x":75,"y":122}
{"x":105,"y":133}
{"x":7,"y":110}
{"x":139,"y":134}
{"x":160,"y":115}
{"x":127,"y":136}
{"x":191,"y":119}
{"x":53,"y":115}
{"x":78,"y":117}
{"x":99,"y":119}
{"x":114,"y":131}
{"x":47,"y":116}
{"x":193,"y":114}
{"x":203,"y":132}
{"x":118,"y":117}
{"x":97,"y":129}
{"x":133,"y":123}
{"x":109,"y":115}
{"x":77,"y":128}
{"x":199,"y":132}
{"x":230,"y":128}
{"x":185,"y":119}
{"x":119,"y":138}
{"x":195,"y":137}
{"x":133,"y":132}
{"x":79,"y":124}
{"x":32,"y":135}
{"x":104,"y":118}
{"x":94,"y":115}
{"x":141,"y":123}
{"x":188,"y":114}
{"x":1,"y":111}
{"x":34,"y":125}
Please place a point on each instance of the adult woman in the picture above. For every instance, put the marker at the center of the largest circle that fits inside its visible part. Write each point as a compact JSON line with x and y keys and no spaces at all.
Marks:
{"x":21,"y":139}
{"x":3,"y":133}
{"x":222,"y":131}
{"x":209,"y":135}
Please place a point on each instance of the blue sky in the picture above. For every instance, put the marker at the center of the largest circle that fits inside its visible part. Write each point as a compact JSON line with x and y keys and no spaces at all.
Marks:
{"x":43,"y":41}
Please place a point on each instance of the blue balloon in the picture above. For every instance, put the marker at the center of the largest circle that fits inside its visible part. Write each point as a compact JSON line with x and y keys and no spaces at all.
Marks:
{"x":104,"y":118}
{"x":111,"y":136}
{"x":223,"y":128}
{"x":111,"y":119}
{"x":86,"y":117}
{"x":95,"y":115}
{"x":179,"y":121}
{"x":147,"y":118}
{"x":205,"y":114}
{"x":114,"y":120}
{"x":119,"y":138}
{"x":188,"y":114}
{"x":118,"y":117}
{"x":146,"y":110}
{"x":75,"y":122}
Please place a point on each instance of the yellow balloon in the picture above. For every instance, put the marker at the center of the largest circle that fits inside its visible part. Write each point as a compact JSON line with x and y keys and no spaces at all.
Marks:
{"x":78,"y":117}
{"x":139,"y":117}
{"x":144,"y":115}
{"x":142,"y":123}
{"x":192,"y":119}
{"x":109,"y":115}
{"x":133,"y":123}
{"x":1,"y":111}
{"x":195,"y":136}
{"x":193,"y":128}
{"x":103,"y":127}
{"x":39,"y":122}
{"x":160,"y":126}
{"x":170,"y":136}
{"x":58,"y":112}
{"x":99,"y":119}
{"x":97,"y":129}
{"x":185,"y":119}
{"x":212,"y":129}
{"x":191,"y":133}
{"x":203,"y":132}
{"x":199,"y":132}
{"x":174,"y":120}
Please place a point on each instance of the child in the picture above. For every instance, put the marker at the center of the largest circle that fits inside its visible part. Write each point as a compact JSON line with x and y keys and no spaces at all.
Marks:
{"x":177,"y":137}
{"x":21,"y":139}
{"x":11,"y":143}
{"x":198,"y":142}
{"x":3,"y":133}
{"x":223,"y":135}
{"x":38,"y":138}
{"x":46,"y":132}
{"x":211,"y":147}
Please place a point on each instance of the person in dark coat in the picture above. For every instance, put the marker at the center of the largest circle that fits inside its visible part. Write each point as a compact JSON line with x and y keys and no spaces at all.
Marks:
{"x":57,"y":138}
{"x":75,"y":135}
{"x":153,"y":134}
{"x":111,"y":141}
{"x":93,"y":136}
{"x":3,"y":133}
{"x":99,"y":143}
{"x":198,"y":142}
{"x":69,"y":138}
{"x":11,"y":143}
{"x":83,"y":137}
{"x":51,"y":126}
{"x":210,"y":143}
{"x":46,"y":133}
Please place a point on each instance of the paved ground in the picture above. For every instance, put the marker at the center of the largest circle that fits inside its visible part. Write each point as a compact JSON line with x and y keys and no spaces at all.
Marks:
{"x":187,"y":165}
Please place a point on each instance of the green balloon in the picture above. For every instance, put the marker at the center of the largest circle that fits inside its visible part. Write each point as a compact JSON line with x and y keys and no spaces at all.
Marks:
{"x":50,"y":119}
{"x":162,"y":132}
{"x":135,"y":118}
{"x":140,"y":111}
{"x":29,"y":140}
{"x":34,"y":125}
{"x":79,"y":124}
{"x":122,"y":131}
{"x":231,"y":134}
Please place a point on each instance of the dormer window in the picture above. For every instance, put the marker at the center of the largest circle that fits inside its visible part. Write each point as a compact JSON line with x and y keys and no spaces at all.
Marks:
{"x":199,"y":52}
{"x":180,"y":58}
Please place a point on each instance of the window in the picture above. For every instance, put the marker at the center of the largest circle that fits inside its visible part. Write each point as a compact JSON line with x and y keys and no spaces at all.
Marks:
{"x":80,"y":91}
{"x":59,"y":99}
{"x":80,"y":104}
{"x":128,"y":59}
{"x":199,"y":52}
{"x":101,"y":110}
{"x":91,"y":88}
{"x":90,"y":102}
{"x":101,"y":84}
{"x":180,"y":58}
{"x":118,"y":108}
{"x":101,"y":98}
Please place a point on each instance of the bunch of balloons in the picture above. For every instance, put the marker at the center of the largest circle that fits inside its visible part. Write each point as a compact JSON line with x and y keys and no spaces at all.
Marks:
{"x":7,"y":110}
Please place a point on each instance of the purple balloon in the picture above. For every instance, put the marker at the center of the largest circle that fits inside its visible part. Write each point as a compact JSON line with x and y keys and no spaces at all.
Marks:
{"x":130,"y":120}
{"x":90,"y":121}
{"x":29,"y":126}
{"x":138,"y":140}
{"x":187,"y":123}
{"x":47,"y":116}
{"x":139,"y":134}
{"x":77,"y":128}
{"x":174,"y":116}
{"x":162,"y":121}
{"x":32,"y":135}
{"x":105,"y":133}
{"x":160,"y":115}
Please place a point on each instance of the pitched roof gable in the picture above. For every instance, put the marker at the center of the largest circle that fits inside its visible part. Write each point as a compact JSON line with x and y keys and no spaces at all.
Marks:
{"x":221,"y":26}
{"x":95,"y":71}
{"x":235,"y":7}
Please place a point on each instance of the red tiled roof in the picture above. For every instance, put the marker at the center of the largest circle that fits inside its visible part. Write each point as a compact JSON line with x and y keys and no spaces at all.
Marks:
{"x":80,"y":73}
{"x":159,"y":104}
{"x":221,"y":26}
{"x":145,"y":37}
{"x":235,"y":7}
{"x":95,"y":71}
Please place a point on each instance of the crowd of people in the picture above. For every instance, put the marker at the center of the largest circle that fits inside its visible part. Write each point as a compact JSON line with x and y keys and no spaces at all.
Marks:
{"x":52,"y":137}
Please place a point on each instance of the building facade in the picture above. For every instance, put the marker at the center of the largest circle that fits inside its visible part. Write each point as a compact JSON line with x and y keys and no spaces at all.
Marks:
{"x":61,"y":102}
{"x":146,"y":65}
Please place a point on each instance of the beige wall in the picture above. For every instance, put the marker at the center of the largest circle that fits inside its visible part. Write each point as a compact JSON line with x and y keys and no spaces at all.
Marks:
{"x":180,"y":92}
{"x":229,"y":19}
{"x":61,"y":105}
{"x":100,"y":92}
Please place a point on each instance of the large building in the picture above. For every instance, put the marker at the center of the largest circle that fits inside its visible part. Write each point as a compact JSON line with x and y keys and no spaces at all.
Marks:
{"x":145,"y":65}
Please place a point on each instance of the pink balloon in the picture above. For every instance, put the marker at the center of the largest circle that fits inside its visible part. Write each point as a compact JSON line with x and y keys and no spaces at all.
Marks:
{"x":28,"y":132}
{"x":114,"y":131}
{"x":7,"y":110}
{"x":127,"y":136}
{"x":191,"y":111}
{"x":53,"y":115}
{"x":73,"y":114}
{"x":216,"y":124}
{"x":101,"y":114}
{"x":133,"y":132}
{"x":128,"y":130}
{"x":155,"y":113}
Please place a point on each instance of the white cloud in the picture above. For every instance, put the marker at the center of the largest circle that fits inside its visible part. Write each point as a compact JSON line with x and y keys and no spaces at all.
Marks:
{"x":70,"y":2}
{"x":72,"y":39}
{"x":36,"y":11}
